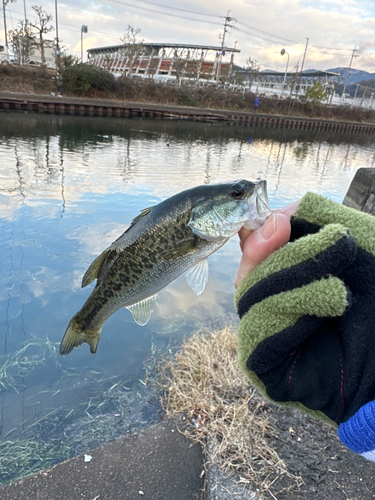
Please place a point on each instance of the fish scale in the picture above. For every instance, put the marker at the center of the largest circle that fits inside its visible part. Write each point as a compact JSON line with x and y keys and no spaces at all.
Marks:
{"x":162,"y":243}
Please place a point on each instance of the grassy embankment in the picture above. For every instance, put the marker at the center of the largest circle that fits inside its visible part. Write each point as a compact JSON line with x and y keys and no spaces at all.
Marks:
{"x":36,"y":80}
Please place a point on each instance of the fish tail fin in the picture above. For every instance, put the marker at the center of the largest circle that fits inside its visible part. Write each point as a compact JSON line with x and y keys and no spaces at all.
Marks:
{"x":75,"y":336}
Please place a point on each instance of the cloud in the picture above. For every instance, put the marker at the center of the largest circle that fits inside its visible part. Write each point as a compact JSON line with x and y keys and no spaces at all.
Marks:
{"x":334,"y":27}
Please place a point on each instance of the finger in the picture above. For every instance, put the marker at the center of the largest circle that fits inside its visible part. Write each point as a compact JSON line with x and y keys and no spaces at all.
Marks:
{"x":288,"y":211}
{"x":258,"y":245}
{"x":243,"y":234}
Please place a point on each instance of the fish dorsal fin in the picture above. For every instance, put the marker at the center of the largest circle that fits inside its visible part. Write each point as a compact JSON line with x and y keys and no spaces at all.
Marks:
{"x":144,"y":212}
{"x":142,"y":310}
{"x":197,"y":276}
{"x":92,"y":272}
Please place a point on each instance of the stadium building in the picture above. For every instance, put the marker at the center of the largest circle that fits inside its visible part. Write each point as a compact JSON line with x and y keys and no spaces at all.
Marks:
{"x":166,"y":61}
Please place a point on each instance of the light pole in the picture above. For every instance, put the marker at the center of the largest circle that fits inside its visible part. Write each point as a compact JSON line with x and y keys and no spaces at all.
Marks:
{"x":283,"y":51}
{"x":231,"y":63}
{"x":58,"y":55}
{"x":84,"y":29}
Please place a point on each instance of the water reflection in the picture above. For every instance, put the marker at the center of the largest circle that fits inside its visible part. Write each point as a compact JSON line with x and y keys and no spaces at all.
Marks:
{"x":69,"y":186}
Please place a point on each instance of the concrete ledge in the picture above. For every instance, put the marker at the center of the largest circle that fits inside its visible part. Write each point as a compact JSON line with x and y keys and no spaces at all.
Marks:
{"x":361,"y":193}
{"x":157,"y":463}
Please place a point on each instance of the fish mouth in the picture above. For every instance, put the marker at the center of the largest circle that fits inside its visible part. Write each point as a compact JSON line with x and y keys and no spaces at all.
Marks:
{"x":258,"y":204}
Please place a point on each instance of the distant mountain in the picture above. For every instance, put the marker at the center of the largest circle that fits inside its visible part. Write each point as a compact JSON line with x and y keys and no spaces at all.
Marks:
{"x":355,"y":75}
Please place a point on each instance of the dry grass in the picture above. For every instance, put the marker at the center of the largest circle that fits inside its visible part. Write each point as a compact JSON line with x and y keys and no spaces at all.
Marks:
{"x":225,"y":414}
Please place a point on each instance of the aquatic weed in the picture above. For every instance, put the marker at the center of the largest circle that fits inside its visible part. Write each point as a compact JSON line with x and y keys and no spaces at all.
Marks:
{"x":24,"y":361}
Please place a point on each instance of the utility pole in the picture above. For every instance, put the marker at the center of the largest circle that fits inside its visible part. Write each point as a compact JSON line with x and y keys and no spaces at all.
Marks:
{"x":348,"y":72}
{"x":303,"y":62}
{"x":304,"y":55}
{"x":300,"y":75}
{"x":5,"y":24}
{"x":226,"y":25}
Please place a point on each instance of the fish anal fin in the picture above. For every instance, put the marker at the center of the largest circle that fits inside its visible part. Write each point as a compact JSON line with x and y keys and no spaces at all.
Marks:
{"x":197,"y":276}
{"x":92,"y":272}
{"x":141,"y":311}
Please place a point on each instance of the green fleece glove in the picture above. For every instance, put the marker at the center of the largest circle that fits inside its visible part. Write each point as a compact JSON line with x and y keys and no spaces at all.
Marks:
{"x":307,"y":330}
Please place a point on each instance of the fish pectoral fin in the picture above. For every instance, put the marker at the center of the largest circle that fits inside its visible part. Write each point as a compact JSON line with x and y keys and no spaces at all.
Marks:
{"x":92,"y":272}
{"x":179,"y":250}
{"x":197,"y":276}
{"x":142,"y":310}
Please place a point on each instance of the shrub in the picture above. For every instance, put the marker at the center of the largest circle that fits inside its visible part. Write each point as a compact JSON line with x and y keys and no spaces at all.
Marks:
{"x":186,"y":98}
{"x":81,"y":78}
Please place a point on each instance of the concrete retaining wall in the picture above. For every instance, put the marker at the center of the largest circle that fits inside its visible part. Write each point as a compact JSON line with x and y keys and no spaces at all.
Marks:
{"x":106,"y":108}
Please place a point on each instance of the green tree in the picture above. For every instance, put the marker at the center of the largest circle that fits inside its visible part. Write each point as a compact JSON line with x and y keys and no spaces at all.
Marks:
{"x":315,"y":94}
{"x":68,"y":61}
{"x":238,"y":77}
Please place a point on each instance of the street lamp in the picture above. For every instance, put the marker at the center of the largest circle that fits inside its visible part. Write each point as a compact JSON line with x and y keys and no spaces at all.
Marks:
{"x":283,"y":51}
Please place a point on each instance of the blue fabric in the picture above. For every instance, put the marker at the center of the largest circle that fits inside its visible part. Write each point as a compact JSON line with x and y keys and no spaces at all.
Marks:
{"x":358,"y":433}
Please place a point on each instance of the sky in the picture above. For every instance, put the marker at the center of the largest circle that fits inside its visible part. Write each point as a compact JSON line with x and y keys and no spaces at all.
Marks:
{"x":260,"y":29}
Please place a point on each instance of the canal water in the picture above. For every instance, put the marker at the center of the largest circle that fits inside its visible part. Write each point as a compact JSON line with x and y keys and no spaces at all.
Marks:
{"x":69,"y":187}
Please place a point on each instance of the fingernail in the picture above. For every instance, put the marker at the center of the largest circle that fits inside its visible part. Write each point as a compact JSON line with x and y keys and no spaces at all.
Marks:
{"x":268,"y":229}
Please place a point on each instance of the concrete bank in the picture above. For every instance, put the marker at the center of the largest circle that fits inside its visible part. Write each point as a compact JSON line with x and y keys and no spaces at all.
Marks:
{"x":75,"y":106}
{"x":156,"y":463}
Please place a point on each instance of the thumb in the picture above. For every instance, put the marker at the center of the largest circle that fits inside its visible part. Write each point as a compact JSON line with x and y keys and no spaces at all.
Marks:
{"x":258,"y":245}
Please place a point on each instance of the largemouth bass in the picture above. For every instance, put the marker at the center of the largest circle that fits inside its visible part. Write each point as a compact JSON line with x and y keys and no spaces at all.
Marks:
{"x":163,"y":242}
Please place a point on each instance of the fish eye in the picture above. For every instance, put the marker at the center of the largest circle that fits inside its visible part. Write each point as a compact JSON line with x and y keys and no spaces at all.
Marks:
{"x":237,"y":192}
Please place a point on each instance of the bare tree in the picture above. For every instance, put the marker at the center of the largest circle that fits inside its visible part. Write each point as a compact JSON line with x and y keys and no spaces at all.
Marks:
{"x":152,"y":66}
{"x":41,"y":26}
{"x":193,"y":68}
{"x":5,"y":3}
{"x":179,"y":65}
{"x":23,"y":42}
{"x":132,"y":46}
{"x":252,"y":67}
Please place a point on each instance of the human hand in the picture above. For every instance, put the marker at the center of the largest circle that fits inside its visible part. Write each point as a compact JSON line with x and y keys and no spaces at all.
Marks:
{"x":257,"y":245}
{"x":306,"y":336}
